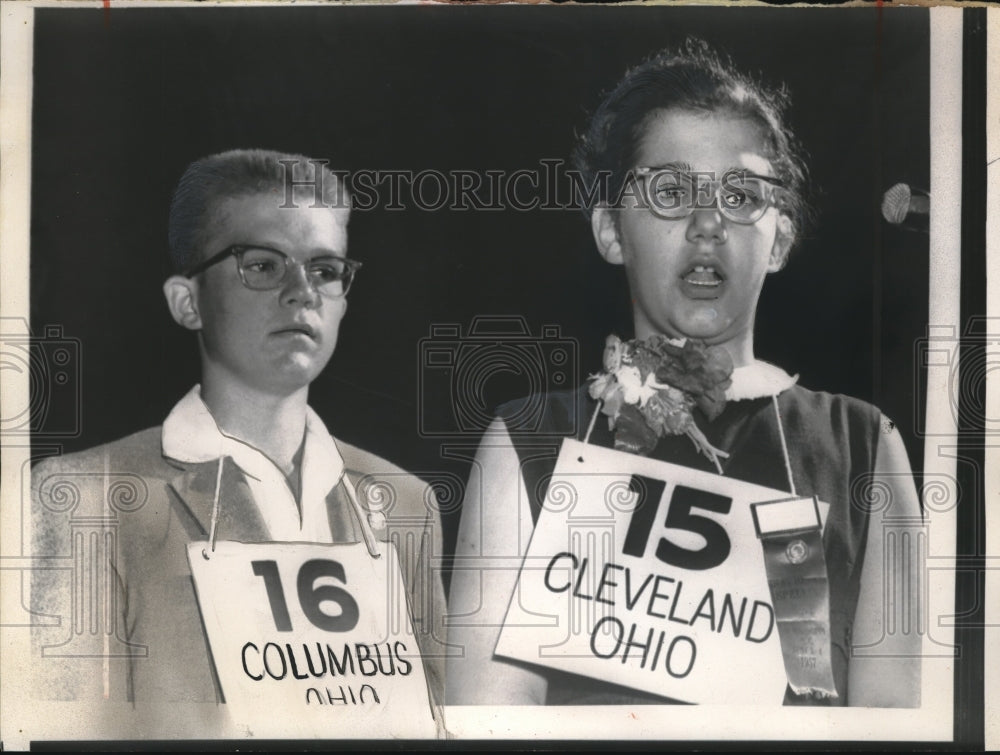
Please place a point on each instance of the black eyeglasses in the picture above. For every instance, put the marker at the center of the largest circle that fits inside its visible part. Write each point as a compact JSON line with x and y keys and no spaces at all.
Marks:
{"x":264,"y":269}
{"x":739,"y":195}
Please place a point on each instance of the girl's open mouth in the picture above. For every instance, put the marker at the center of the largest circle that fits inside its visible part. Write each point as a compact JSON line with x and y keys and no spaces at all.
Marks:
{"x":703,"y":276}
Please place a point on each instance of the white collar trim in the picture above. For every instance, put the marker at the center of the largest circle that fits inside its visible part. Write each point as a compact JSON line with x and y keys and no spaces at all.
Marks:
{"x":190,"y":434}
{"x":757,"y":380}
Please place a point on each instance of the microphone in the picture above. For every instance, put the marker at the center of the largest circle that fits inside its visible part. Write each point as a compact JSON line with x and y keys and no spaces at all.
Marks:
{"x":907,"y":207}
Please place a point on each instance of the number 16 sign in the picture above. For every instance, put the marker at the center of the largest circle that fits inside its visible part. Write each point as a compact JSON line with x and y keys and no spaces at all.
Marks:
{"x":312,"y":641}
{"x":649,"y":575}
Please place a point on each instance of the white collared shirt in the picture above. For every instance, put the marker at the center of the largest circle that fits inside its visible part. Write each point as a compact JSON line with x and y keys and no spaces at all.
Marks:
{"x":191,"y":435}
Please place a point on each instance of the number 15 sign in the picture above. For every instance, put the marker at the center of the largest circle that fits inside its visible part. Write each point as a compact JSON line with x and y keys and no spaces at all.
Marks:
{"x":312,"y":641}
{"x":649,"y":575}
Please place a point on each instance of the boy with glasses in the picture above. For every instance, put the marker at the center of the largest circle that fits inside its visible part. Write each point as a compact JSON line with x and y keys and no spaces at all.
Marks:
{"x":259,"y":242}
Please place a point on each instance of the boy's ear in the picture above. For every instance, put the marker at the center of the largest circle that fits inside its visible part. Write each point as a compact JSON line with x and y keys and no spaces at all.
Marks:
{"x":602,"y":223}
{"x":784,"y":238}
{"x":181,"y":294}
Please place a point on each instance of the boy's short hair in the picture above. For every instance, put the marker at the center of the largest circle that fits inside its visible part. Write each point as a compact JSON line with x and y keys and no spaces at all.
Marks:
{"x":239,"y":173}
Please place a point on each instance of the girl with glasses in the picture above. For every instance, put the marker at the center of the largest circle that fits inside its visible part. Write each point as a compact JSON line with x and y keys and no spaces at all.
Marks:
{"x":701,"y":195}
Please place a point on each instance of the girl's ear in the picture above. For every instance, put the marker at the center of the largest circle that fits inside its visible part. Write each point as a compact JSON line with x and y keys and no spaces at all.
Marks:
{"x":784,"y":238}
{"x":182,"y":301}
{"x":602,"y":223}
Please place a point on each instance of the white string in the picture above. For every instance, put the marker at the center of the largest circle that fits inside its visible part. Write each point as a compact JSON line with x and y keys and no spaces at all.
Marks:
{"x":366,"y":530}
{"x":593,"y":421}
{"x":215,"y":507}
{"x":784,"y":446}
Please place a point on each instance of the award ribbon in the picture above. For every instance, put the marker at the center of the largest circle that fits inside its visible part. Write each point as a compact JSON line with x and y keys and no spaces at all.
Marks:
{"x":791,"y":535}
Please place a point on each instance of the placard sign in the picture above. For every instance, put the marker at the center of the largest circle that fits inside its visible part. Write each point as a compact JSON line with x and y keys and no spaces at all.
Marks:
{"x":312,"y":641}
{"x":649,"y":575}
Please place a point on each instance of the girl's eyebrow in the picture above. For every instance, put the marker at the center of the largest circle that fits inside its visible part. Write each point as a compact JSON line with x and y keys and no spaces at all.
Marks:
{"x":679,"y":165}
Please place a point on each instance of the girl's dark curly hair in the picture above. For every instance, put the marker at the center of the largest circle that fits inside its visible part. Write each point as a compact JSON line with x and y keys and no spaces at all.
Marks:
{"x":694,"y":77}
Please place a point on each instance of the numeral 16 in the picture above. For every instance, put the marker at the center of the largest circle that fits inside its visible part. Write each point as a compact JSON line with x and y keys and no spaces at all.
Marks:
{"x":310,"y":595}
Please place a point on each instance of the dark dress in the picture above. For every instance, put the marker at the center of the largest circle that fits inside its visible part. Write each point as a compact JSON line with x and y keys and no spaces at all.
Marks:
{"x":832,"y":442}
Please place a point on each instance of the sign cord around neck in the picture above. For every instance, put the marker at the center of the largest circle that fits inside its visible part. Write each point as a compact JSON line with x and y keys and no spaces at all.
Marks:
{"x":366,"y":530}
{"x":593,"y":420}
{"x":784,"y":445}
{"x":215,"y":508}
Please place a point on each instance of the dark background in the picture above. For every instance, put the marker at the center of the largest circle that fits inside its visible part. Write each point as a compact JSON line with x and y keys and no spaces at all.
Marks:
{"x":124,"y":99}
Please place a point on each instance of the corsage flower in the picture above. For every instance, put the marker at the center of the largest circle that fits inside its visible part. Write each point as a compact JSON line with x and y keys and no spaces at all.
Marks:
{"x":649,"y":388}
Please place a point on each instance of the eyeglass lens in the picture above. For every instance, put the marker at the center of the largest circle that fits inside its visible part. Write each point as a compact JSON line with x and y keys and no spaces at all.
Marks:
{"x":264,"y":269}
{"x":741,"y":198}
